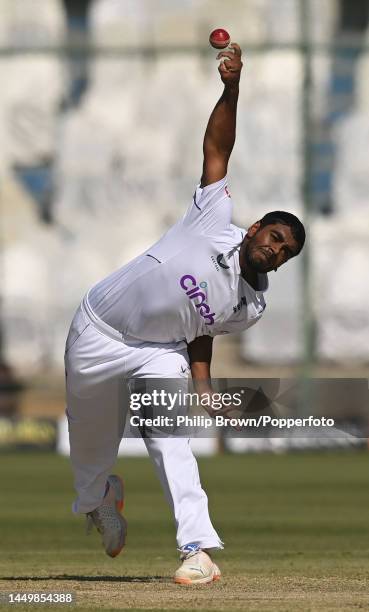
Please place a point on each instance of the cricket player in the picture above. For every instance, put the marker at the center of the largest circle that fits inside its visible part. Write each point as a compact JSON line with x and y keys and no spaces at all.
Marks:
{"x":156,"y":317}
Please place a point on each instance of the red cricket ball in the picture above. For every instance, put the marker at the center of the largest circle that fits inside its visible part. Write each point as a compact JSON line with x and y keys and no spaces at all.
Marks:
{"x":219,"y":39}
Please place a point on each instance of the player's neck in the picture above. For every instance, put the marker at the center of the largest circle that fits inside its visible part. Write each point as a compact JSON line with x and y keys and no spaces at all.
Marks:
{"x":251,"y":278}
{"x":247,"y":273}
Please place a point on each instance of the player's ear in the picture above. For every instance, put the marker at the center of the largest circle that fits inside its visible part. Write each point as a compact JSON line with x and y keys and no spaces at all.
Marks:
{"x":253,"y":229}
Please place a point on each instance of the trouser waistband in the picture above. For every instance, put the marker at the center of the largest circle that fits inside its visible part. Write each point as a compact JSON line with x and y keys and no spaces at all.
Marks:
{"x":115,"y":334}
{"x":98,"y":323}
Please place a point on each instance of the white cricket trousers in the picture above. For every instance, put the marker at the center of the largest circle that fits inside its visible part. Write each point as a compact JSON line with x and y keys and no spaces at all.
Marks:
{"x":99,"y":367}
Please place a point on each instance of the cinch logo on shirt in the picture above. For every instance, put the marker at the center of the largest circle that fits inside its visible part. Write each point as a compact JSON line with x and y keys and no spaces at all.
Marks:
{"x":189,"y":284}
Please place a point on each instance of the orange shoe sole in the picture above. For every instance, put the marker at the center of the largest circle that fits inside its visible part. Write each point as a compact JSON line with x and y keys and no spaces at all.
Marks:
{"x":119,"y":504}
{"x":188,"y":582}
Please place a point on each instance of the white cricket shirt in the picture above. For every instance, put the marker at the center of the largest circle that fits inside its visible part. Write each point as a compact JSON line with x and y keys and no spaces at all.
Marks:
{"x":189,"y":283}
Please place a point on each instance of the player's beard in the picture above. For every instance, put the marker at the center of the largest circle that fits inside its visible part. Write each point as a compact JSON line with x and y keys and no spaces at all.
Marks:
{"x":256,"y":260}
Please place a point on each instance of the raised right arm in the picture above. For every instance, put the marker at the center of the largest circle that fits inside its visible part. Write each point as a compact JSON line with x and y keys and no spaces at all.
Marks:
{"x":220,"y":133}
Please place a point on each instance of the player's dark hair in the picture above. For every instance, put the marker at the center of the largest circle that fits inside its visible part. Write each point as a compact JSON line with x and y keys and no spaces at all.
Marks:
{"x":286,"y":218}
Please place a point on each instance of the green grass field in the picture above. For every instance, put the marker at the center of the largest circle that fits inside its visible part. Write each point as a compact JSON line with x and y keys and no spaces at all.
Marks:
{"x":296,"y":530}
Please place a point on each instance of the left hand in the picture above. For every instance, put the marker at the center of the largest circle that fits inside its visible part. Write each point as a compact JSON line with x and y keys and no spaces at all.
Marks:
{"x":230,"y":68}
{"x":226,"y":411}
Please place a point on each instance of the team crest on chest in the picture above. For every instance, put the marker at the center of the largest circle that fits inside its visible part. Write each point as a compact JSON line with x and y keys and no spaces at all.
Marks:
{"x":219,"y":262}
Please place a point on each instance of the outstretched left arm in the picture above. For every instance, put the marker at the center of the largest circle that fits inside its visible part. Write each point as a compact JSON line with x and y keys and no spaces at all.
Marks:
{"x":200,"y":352}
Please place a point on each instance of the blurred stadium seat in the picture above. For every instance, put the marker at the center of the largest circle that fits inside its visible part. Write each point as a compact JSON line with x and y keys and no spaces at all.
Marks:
{"x":125,"y":161}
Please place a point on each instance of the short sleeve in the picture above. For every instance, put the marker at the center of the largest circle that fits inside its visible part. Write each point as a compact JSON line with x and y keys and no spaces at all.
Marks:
{"x":210,"y":211}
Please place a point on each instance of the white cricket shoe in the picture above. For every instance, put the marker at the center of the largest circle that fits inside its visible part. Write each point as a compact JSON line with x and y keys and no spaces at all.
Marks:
{"x":197,"y":568}
{"x":108,"y":520}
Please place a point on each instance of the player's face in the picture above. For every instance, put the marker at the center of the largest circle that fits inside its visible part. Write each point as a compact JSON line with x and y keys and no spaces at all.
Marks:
{"x":269,"y":247}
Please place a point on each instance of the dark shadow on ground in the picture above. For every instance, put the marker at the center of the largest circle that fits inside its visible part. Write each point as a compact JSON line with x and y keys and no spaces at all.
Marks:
{"x":88,"y":578}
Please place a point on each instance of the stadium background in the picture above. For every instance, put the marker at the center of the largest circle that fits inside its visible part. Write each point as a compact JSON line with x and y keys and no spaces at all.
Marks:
{"x":102,"y":113}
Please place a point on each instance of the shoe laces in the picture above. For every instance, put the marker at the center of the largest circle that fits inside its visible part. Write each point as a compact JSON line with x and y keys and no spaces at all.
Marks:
{"x":189,"y":551}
